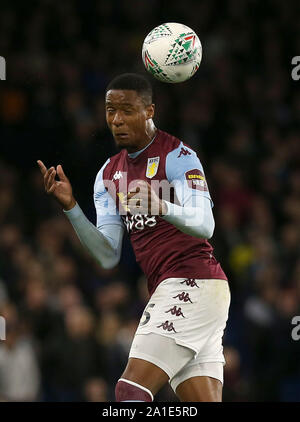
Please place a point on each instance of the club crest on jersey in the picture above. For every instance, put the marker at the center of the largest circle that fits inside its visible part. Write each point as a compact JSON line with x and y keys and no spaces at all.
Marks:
{"x":152,"y":167}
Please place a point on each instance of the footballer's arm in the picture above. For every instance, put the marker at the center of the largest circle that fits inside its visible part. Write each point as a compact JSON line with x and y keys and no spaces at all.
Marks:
{"x":104,"y":242}
{"x":195,"y":219}
{"x":194,"y":214}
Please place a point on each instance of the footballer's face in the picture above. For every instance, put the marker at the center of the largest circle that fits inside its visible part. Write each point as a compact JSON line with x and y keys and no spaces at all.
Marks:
{"x":128,"y":118}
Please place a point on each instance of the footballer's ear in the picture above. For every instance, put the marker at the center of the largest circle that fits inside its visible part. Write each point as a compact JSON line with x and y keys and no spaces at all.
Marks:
{"x":150,"y":111}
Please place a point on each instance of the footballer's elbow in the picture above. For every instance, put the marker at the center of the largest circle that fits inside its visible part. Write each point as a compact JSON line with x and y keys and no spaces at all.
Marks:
{"x":211,"y":230}
{"x":201,"y":232}
{"x":110,"y":261}
{"x":209,"y":235}
{"x":109,"y":264}
{"x":207,"y":231}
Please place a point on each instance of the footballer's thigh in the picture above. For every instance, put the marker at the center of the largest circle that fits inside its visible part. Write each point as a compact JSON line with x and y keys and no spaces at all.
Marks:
{"x":201,"y":379}
{"x":154,"y":359}
{"x":145,"y":374}
{"x":156,"y":355}
{"x":179,"y":338}
{"x":200,"y":389}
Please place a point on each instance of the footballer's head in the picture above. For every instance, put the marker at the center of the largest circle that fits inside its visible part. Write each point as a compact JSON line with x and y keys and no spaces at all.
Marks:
{"x":129,"y":111}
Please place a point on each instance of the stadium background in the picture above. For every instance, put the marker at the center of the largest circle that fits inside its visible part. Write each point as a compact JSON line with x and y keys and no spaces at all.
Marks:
{"x":70,"y":323}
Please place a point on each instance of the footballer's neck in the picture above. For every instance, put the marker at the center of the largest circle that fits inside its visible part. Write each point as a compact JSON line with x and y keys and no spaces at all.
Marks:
{"x":150,"y":133}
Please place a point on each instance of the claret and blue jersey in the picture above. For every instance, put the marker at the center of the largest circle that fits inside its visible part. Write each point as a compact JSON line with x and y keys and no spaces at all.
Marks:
{"x":162,"y":250}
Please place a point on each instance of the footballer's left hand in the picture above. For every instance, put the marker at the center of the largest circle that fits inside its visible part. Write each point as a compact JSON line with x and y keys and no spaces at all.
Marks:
{"x":144,"y":200}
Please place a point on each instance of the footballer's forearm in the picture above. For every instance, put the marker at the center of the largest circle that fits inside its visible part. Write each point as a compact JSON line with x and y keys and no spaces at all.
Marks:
{"x":103,"y":243}
{"x":197,"y":221}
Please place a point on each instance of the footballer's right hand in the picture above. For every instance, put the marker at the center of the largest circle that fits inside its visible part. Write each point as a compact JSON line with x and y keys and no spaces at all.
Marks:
{"x":61,"y":189}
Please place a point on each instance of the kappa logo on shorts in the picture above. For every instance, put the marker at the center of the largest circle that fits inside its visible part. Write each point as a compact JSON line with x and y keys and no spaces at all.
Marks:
{"x":190,"y":282}
{"x":167,"y":326}
{"x":175,"y":311}
{"x":183,"y":296}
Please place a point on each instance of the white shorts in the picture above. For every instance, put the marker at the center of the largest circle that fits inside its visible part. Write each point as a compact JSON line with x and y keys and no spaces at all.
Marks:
{"x":192,"y":314}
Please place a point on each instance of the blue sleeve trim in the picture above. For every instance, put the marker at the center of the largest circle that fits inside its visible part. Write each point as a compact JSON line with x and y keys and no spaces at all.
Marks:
{"x":178,"y":162}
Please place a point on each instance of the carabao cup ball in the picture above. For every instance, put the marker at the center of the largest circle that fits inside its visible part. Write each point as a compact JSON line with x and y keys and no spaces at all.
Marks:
{"x":172,"y":52}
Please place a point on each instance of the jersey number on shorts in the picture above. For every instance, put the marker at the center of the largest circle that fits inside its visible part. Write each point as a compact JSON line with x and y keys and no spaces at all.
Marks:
{"x":147,"y":314}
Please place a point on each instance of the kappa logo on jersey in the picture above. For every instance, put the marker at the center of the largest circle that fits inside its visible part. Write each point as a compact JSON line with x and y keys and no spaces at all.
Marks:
{"x":118,"y":174}
{"x":152,"y":167}
{"x":196,"y":180}
{"x":184,"y":151}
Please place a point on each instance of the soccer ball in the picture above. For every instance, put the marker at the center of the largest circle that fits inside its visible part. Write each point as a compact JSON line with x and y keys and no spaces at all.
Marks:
{"x":172,"y":52}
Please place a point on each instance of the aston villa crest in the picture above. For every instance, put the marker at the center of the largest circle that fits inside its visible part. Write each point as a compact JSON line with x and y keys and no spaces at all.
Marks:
{"x":152,"y":167}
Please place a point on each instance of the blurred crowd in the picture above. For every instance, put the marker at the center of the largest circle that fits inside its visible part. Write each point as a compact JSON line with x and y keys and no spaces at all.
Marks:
{"x":69,"y":323}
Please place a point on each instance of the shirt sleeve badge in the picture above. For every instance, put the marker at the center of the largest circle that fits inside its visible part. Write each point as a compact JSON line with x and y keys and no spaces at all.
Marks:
{"x":196,"y":180}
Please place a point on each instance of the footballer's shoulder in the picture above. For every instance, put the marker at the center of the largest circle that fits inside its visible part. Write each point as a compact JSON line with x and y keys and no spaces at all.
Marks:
{"x":112,"y":161}
{"x":168,"y":142}
{"x":115,"y":158}
{"x":106,"y":167}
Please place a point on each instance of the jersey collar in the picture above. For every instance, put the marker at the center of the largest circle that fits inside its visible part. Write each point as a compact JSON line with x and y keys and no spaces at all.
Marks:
{"x":137,"y":153}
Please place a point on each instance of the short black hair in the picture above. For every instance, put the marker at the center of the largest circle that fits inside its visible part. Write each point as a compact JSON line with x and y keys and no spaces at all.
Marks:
{"x":133,"y":82}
